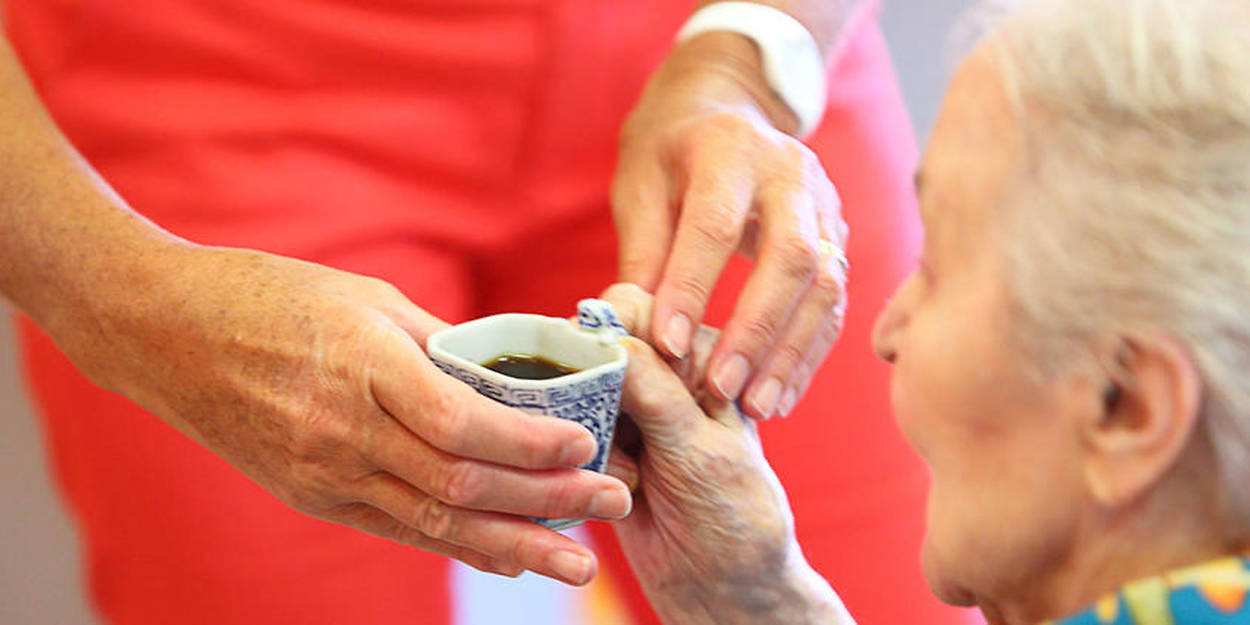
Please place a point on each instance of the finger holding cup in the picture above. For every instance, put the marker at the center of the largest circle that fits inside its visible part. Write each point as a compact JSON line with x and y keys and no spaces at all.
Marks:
{"x":544,"y":365}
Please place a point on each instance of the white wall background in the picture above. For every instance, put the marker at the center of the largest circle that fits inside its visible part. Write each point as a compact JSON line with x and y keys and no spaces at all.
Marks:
{"x":40,"y":581}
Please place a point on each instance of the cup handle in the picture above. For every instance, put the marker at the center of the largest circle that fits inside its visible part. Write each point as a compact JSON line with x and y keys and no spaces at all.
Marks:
{"x":598,"y":316}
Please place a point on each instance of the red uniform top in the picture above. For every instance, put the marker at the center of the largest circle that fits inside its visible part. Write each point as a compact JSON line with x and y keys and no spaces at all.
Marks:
{"x":425,"y":142}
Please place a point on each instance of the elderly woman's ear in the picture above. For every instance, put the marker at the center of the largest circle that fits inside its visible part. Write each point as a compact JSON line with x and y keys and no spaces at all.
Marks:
{"x":1142,"y":416}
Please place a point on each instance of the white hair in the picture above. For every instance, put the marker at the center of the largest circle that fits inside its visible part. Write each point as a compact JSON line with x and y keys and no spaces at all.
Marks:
{"x":1132,"y":212}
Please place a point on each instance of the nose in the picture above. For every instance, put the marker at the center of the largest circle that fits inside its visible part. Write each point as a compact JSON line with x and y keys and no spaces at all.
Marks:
{"x":888,"y":323}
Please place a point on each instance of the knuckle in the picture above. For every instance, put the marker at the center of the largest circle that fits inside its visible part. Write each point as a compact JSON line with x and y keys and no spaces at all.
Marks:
{"x":542,"y":448}
{"x":308,"y":486}
{"x":724,"y":125}
{"x":434,"y":519}
{"x":522,"y":549}
{"x":460,"y":484}
{"x":536,"y":443}
{"x":798,"y":257}
{"x":311,"y":438}
{"x":718,"y":225}
{"x":651,"y":402}
{"x":829,"y":333}
{"x":693,"y":287}
{"x":410,"y":536}
{"x":789,"y":162}
{"x":560,"y":500}
{"x":787,"y":358}
{"x":827,"y":289}
{"x":367,"y":443}
{"x":446,"y":423}
{"x":802,"y":160}
{"x":650,"y":399}
{"x":384,"y":290}
{"x":758,"y":331}
{"x":782,"y":191}
{"x":293,"y":494}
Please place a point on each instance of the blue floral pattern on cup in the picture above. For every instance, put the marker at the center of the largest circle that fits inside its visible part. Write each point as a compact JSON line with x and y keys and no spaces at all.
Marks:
{"x":593,"y":403}
{"x":590,"y":397}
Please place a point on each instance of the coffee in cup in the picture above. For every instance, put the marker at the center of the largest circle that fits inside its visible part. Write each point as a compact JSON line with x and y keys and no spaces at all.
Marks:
{"x":529,"y":367}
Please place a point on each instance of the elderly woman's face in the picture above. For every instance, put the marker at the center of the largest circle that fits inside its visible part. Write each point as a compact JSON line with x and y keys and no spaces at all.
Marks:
{"x":1001,"y":452}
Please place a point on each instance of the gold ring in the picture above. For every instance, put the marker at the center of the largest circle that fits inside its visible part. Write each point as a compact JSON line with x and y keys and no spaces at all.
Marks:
{"x":829,"y":249}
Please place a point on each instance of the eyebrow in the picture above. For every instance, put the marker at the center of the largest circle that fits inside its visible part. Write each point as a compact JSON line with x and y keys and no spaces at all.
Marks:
{"x":918,"y":181}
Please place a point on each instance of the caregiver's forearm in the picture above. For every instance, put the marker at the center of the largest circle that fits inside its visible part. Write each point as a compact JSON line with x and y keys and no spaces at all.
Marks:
{"x":66,"y":240}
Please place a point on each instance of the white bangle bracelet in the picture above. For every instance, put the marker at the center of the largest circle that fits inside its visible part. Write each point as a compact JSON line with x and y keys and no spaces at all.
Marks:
{"x":793,"y":66}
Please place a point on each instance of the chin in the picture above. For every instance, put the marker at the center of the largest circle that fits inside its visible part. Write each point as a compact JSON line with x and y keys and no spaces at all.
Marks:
{"x":942,"y":577}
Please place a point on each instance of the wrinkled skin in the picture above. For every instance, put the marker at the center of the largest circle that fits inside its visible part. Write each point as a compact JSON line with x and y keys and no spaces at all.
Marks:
{"x":711,"y":537}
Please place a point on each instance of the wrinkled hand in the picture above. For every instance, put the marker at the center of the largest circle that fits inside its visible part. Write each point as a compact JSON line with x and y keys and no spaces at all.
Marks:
{"x":711,"y":537}
{"x":704,"y":172}
{"x":313,"y":382}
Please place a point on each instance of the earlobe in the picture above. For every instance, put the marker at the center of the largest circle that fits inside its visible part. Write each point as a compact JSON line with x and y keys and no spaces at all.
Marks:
{"x":1148,"y":414}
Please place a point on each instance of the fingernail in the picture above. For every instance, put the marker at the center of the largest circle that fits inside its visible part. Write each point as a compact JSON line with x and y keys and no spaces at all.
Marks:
{"x":610,"y":504}
{"x":573,"y":567}
{"x":579,"y":452}
{"x":787,"y":402}
{"x":624,"y":472}
{"x":764,"y":399}
{"x":731,"y":375}
{"x":677,"y":335}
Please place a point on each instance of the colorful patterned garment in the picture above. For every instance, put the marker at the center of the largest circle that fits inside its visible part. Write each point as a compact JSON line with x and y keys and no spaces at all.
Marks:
{"x":1212,"y":593}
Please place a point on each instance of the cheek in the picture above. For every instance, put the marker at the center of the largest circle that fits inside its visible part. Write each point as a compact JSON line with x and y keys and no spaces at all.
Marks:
{"x":925,"y":395}
{"x":1001,"y":506}
{"x":909,"y":413}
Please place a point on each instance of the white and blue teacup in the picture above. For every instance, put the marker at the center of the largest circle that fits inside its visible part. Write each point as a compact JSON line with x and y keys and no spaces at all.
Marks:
{"x":590,"y":396}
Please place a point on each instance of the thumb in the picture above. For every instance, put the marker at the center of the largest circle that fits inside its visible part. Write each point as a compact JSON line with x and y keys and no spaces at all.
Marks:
{"x":632,"y":305}
{"x":623,"y":468}
{"x":657,"y":400}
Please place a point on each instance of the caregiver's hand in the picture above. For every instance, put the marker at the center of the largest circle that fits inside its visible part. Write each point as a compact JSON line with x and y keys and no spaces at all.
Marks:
{"x":711,"y":537}
{"x":707,"y":168}
{"x":313,"y":382}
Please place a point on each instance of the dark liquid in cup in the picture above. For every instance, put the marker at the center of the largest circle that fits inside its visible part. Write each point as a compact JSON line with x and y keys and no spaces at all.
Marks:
{"x":528,"y":367}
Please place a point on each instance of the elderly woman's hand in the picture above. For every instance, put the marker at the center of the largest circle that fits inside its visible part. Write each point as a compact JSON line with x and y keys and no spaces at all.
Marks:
{"x":704,"y":172}
{"x":711,"y":537}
